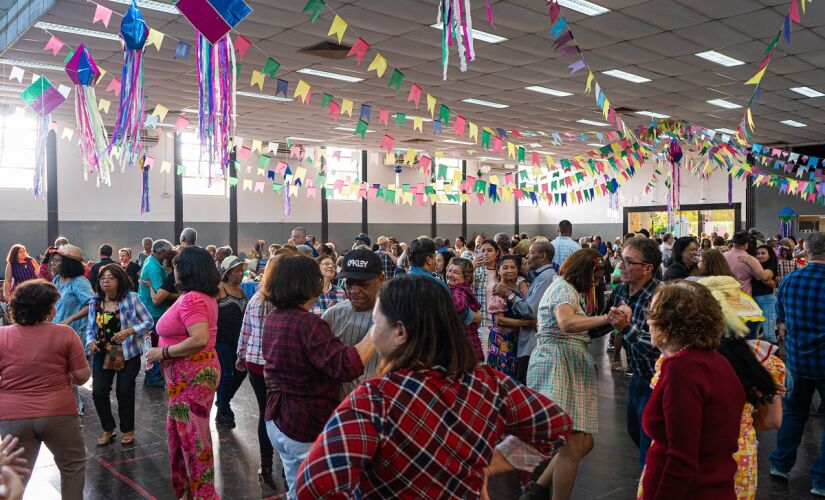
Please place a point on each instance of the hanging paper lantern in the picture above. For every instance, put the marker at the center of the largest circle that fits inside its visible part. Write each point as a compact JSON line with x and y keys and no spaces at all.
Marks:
{"x":786,"y":217}
{"x":131,"y":109}
{"x":214,"y":18}
{"x":674,"y":152}
{"x":42,"y":98}
{"x":94,"y":140}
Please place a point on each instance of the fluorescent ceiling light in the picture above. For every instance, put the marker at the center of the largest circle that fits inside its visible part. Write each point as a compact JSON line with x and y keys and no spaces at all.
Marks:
{"x":264,"y":96}
{"x":352,"y":129}
{"x":327,"y":74}
{"x":807,"y":91}
{"x":33,"y":65}
{"x":151,"y":5}
{"x":719,"y":58}
{"x":624,"y":75}
{"x":591,"y":122}
{"x":453,"y":141}
{"x":652,"y":114}
{"x":485,"y":103}
{"x":548,"y":91}
{"x":535,"y":145}
{"x":793,"y":123}
{"x":595,"y":145}
{"x":545,"y":152}
{"x":77,"y":31}
{"x":479,"y":35}
{"x":584,"y":7}
{"x":726,"y":131}
{"x":723,"y":104}
{"x":6,"y":88}
{"x":304,"y":139}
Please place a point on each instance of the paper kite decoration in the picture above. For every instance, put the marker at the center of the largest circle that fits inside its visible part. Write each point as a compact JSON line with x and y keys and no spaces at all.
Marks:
{"x":42,"y":97}
{"x":94,"y":140}
{"x":214,"y":18}
{"x":786,"y":216}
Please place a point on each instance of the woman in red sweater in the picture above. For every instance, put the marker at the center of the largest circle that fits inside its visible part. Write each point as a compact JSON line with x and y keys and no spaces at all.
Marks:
{"x":694,"y":411}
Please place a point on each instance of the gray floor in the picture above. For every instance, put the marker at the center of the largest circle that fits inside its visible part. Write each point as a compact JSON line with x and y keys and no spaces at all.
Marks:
{"x":141,"y":471}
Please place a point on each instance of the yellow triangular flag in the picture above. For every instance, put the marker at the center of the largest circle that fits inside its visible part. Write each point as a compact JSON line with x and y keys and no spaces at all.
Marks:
{"x":100,"y":75}
{"x":439,"y":154}
{"x":606,"y":108}
{"x":155,"y":38}
{"x":473,"y":132}
{"x":750,"y":119}
{"x":549,"y":160}
{"x":389,"y":159}
{"x":589,"y":82}
{"x":408,"y":198}
{"x":418,"y":123}
{"x":338,"y":27}
{"x":300,"y":173}
{"x":256,"y":145}
{"x":511,"y":149}
{"x":302,"y":90}
{"x":160,"y":111}
{"x":409,"y":158}
{"x":757,"y":77}
{"x":431,"y":105}
{"x":456,"y":176}
{"x":346,"y":107}
{"x":257,"y":79}
{"x":379,"y":64}
{"x":103,"y":105}
{"x":293,"y":190}
{"x":247,"y":184}
{"x":165,"y":166}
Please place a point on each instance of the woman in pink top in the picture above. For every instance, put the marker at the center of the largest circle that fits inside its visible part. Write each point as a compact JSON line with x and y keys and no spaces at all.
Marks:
{"x":39,"y":362}
{"x":186,"y":351}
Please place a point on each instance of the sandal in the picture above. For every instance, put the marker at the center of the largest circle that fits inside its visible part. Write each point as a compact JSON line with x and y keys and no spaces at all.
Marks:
{"x":106,"y":438}
{"x":128,"y":438}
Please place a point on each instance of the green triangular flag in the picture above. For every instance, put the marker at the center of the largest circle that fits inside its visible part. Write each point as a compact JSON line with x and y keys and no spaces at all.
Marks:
{"x":314,"y":8}
{"x":276,"y":187}
{"x":361,"y":128}
{"x":181,"y":169}
{"x":271,"y":67}
{"x":237,"y":70}
{"x":444,"y":115}
{"x":485,"y":139}
{"x":68,"y":57}
{"x":520,"y":155}
{"x":325,"y":100}
{"x":233,"y":181}
{"x":263,"y":161}
{"x":288,"y":142}
{"x":400,"y":119}
{"x":442,"y":171}
{"x":772,"y":44}
{"x":395,"y":80}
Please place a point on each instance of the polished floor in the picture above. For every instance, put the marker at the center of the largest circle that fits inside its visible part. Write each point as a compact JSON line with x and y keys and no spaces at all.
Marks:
{"x":141,"y":471}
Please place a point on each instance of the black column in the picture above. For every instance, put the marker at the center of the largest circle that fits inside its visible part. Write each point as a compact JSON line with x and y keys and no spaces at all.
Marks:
{"x":233,"y":203}
{"x":515,"y":200}
{"x":364,"y":215}
{"x":52,"y":222}
{"x":463,"y":203}
{"x":178,"y":191}
{"x":434,"y":212}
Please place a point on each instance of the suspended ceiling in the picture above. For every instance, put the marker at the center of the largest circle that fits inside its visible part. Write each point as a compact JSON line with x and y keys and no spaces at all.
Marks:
{"x":656,"y":39}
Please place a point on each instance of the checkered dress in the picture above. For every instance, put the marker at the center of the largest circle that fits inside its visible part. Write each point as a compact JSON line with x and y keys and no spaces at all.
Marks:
{"x":560,"y":366}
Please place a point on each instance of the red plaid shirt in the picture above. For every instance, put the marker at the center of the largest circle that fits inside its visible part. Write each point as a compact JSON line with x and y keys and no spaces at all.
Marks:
{"x":305,"y":366}
{"x":422,"y":434}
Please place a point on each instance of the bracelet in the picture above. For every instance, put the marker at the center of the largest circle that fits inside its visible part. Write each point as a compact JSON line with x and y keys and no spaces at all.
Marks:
{"x":165,"y":353}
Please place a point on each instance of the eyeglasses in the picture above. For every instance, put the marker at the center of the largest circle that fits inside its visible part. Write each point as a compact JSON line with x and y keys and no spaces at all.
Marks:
{"x":107,"y":278}
{"x":629,"y":262}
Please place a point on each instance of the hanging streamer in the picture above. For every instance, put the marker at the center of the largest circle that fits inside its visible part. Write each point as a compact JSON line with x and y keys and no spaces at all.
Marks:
{"x":131,"y":111}
{"x":40,"y":155}
{"x":216,"y":106}
{"x":456,"y":25}
{"x":144,"y":194}
{"x":287,"y":202}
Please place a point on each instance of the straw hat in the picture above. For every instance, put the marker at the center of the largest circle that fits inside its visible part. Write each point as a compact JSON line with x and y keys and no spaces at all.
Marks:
{"x":737,"y":307}
{"x":71,"y":252}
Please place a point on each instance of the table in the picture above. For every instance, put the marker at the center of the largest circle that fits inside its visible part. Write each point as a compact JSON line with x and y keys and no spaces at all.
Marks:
{"x":249,"y":288}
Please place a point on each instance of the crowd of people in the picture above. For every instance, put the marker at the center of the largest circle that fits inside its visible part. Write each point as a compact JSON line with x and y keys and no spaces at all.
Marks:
{"x":419,"y":369}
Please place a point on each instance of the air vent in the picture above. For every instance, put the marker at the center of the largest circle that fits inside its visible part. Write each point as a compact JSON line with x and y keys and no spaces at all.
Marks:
{"x":327,"y":50}
{"x":625,"y":110}
{"x":418,"y":141}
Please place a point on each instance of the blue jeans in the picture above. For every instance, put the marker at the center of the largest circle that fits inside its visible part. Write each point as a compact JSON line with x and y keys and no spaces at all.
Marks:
{"x":637,"y":395}
{"x":768,"y":305}
{"x":231,"y":379}
{"x":153,"y":376}
{"x":795,"y":412}
{"x":292,"y":453}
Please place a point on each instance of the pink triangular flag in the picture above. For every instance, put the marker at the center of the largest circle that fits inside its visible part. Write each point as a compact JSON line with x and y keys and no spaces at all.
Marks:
{"x":387,"y":143}
{"x":384,"y":116}
{"x":180,"y":124}
{"x":102,"y":14}
{"x":114,"y":86}
{"x":334,"y":110}
{"x":794,"y":12}
{"x":415,"y":95}
{"x":242,"y":44}
{"x":359,"y":49}
{"x":54,"y":44}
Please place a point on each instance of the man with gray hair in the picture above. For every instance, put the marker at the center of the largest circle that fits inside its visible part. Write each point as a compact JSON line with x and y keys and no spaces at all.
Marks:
{"x":188,"y":237}
{"x":153,"y":274}
{"x":799,"y":307}
{"x":146,"y":244}
{"x":222,"y":253}
{"x":299,"y":237}
{"x":503,"y":242}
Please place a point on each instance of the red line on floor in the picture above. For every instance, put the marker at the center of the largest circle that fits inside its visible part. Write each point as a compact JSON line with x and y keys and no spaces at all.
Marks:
{"x":135,"y":459}
{"x":125,"y":479}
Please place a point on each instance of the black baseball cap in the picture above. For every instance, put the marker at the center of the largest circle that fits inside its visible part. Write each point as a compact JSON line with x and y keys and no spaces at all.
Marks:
{"x":363,"y":237}
{"x":361,"y":264}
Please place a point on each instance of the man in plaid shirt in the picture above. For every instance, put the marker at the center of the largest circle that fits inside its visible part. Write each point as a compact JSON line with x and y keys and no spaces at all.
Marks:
{"x":564,"y":245}
{"x":799,"y":306}
{"x":627,"y":311}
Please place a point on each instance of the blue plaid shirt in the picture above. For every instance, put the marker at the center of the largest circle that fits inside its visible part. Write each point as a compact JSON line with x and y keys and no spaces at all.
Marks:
{"x":328,"y":299}
{"x":799,"y":306}
{"x":564,"y":247}
{"x":387,"y":264}
{"x":133,"y":314}
{"x":641,"y":353}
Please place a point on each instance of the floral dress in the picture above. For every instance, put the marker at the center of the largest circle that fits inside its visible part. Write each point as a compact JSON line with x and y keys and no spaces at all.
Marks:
{"x":502,"y":343}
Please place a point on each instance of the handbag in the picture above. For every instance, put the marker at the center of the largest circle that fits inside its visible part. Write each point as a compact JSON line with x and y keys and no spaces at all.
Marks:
{"x":767,"y":415}
{"x":114,"y":359}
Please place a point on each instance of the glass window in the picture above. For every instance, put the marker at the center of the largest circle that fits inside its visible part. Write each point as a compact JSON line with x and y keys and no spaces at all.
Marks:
{"x":196,"y":172}
{"x":448,"y":191}
{"x":344,"y":168}
{"x":18,"y":138}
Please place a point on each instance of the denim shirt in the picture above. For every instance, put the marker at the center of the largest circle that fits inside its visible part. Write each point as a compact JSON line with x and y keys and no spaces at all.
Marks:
{"x":74,"y":295}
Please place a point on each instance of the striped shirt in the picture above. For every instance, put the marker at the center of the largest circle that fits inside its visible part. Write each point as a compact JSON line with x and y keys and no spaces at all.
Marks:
{"x":351,"y":326}
{"x":133,"y":314}
{"x":21,"y":272}
{"x":249,"y":343}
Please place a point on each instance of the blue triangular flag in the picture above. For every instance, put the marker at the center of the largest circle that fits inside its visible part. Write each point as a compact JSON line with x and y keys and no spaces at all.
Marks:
{"x":282,"y":86}
{"x":366,"y":112}
{"x":182,"y":51}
